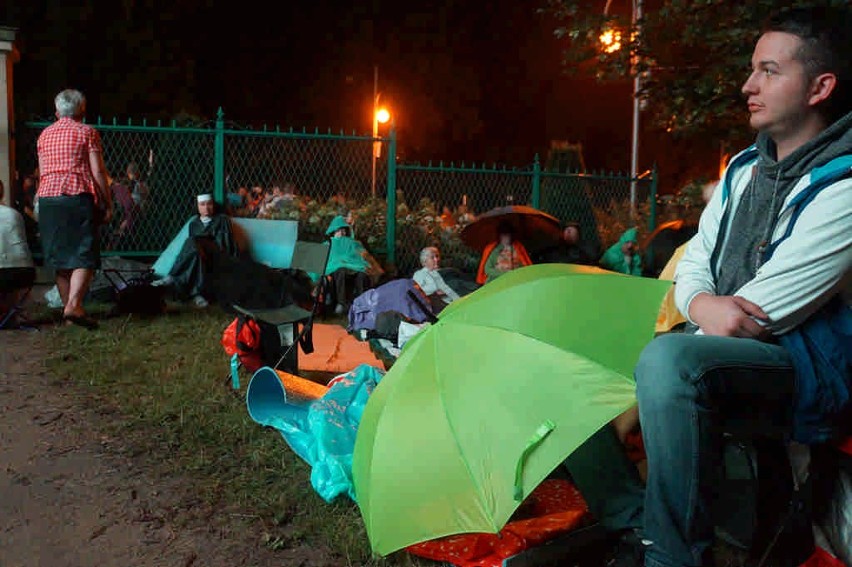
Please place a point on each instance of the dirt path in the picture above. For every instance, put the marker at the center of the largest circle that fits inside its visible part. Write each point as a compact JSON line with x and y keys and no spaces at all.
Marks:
{"x":67,"y":497}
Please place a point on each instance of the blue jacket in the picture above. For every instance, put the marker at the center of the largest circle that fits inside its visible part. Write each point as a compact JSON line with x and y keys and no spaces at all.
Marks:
{"x":821,"y":347}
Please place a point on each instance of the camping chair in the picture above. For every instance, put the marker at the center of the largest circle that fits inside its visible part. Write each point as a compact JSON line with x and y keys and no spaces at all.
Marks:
{"x":294,"y":323}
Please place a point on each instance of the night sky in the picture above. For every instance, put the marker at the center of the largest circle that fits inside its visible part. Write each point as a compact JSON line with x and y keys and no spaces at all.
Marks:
{"x":464,"y":80}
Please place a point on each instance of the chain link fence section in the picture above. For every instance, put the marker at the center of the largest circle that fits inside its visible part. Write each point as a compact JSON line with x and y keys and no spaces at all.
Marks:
{"x":305,"y":177}
{"x":313,"y":176}
{"x":435,"y":202}
{"x":156,"y":173}
{"x":599,"y":203}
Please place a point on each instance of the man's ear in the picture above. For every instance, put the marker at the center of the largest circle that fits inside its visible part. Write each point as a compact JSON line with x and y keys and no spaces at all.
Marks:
{"x":821,"y":88}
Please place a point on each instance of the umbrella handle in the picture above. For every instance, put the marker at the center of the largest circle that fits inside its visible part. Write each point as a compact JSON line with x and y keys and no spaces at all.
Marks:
{"x":540,"y":434}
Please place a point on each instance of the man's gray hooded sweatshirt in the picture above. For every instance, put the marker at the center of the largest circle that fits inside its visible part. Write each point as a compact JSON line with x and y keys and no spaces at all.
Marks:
{"x":771,"y":183}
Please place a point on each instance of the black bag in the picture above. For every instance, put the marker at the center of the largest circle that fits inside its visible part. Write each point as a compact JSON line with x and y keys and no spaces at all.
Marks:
{"x":758,"y":508}
{"x":136,"y":295}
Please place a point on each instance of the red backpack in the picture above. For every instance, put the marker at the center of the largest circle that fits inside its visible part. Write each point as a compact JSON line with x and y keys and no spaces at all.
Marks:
{"x":242,"y":338}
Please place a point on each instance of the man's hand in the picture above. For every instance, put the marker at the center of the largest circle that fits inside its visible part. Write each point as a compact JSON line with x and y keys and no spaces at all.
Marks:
{"x":728,"y":316}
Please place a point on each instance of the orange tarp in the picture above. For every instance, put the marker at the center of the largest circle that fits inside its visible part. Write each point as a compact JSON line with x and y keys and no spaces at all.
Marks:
{"x":335,"y":350}
{"x":554,"y":508}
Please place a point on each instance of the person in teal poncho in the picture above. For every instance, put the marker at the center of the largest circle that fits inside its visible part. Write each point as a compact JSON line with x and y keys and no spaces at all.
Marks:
{"x":623,"y":256}
{"x":351,"y":267}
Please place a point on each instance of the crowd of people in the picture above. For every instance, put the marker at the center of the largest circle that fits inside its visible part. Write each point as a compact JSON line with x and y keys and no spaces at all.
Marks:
{"x":762,"y":289}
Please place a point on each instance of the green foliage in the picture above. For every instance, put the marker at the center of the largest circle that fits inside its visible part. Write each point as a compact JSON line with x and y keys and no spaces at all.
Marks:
{"x":416,"y":228}
{"x":692,"y":55}
{"x":423,"y":225}
{"x":614,"y":219}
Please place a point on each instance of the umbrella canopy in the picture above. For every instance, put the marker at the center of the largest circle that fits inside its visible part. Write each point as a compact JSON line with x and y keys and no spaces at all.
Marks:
{"x":483,"y":404}
{"x":533,"y":228}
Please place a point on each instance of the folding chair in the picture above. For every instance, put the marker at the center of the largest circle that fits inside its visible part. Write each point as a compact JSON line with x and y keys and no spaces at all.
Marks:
{"x":293,"y":323}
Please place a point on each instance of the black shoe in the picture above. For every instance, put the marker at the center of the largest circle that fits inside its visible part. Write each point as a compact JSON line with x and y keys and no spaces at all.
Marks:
{"x":628,"y":550}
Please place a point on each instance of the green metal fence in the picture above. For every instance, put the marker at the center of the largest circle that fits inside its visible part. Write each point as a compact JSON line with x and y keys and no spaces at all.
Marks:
{"x":600,"y":202}
{"x":321,"y":174}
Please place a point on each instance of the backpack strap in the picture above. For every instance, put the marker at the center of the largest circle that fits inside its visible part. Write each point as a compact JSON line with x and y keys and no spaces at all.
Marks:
{"x":821,"y":177}
{"x":255,"y":338}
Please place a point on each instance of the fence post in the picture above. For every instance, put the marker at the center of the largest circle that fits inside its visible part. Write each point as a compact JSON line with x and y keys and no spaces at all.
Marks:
{"x":536,"y":184}
{"x":652,"y":215}
{"x":219,"y":159}
{"x":391,"y":199}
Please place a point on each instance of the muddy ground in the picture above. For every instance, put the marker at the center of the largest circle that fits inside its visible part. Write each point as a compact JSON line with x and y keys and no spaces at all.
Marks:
{"x":70,"y":496}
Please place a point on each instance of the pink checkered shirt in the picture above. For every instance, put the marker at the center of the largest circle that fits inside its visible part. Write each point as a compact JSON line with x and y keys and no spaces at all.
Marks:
{"x":63,"y":152}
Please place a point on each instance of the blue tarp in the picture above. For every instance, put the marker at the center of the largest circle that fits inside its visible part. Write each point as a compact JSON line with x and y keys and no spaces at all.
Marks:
{"x":270,"y":242}
{"x":322,"y":432}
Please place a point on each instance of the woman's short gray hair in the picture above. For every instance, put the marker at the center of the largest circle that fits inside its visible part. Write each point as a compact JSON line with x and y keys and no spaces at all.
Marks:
{"x":69,"y":103}
{"x":427,"y":253}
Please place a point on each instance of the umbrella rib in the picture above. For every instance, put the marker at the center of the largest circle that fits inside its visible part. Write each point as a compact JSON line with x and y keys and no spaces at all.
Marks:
{"x":451,"y":425}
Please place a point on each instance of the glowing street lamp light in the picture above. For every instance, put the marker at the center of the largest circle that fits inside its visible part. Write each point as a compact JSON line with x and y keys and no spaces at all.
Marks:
{"x":610,"y":41}
{"x":382,"y":115}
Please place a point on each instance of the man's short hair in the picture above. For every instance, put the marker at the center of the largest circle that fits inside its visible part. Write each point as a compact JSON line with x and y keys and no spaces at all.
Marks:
{"x":69,"y":103}
{"x":826,"y":45}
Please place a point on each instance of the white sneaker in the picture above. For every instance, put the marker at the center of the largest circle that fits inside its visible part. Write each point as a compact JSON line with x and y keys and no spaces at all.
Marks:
{"x":166,"y":281}
{"x":200,"y":302}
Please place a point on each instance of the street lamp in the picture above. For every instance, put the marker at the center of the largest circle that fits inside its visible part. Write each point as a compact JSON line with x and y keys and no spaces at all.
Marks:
{"x":610,"y":43}
{"x":380,"y":116}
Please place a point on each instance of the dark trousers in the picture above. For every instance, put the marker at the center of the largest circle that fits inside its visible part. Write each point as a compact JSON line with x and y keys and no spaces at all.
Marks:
{"x":349,"y":284}
{"x":691,"y":389}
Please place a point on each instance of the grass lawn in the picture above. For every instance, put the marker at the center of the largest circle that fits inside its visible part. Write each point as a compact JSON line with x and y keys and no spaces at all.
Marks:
{"x":161,"y":385}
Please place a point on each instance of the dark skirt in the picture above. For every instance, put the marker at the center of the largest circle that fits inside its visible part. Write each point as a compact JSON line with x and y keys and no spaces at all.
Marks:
{"x":69,"y":233}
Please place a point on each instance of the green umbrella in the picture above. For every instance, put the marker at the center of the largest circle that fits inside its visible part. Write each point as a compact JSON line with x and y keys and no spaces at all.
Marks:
{"x":482,"y":405}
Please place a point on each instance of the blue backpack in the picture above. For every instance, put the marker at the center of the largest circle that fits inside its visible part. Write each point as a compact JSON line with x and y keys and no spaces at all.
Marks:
{"x":821,"y":347}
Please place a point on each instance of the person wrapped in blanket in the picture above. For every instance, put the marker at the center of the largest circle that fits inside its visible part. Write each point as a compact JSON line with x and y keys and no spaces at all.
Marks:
{"x":352,"y":269}
{"x":623,"y":256}
{"x":501,"y":256}
{"x":209,"y":228}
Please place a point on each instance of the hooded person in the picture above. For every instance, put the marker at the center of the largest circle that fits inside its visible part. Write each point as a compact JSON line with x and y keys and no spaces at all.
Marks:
{"x":209,"y":229}
{"x":623,"y":256}
{"x":351,"y":267}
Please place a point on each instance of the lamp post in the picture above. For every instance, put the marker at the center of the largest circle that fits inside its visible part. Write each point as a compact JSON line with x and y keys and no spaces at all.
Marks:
{"x":611,"y":42}
{"x":380,"y":115}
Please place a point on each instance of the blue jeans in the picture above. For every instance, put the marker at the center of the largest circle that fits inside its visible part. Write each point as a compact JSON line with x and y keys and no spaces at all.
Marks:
{"x":691,"y":389}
